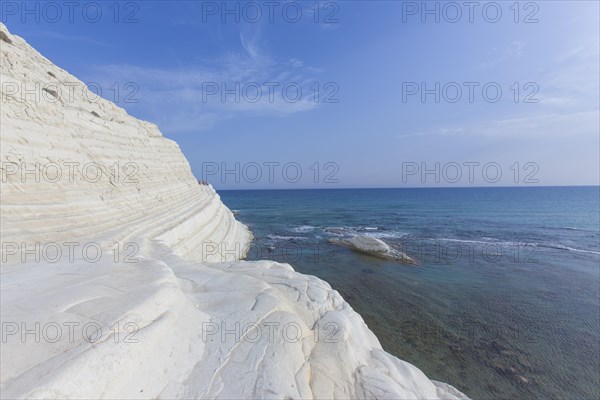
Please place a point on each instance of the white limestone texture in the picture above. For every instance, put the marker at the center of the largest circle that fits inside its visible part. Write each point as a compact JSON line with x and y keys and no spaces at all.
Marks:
{"x":159,"y":305}
{"x":374,"y":247}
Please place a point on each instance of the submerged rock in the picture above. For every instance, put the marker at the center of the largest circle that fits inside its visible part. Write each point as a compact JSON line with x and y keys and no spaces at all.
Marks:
{"x":374,"y":247}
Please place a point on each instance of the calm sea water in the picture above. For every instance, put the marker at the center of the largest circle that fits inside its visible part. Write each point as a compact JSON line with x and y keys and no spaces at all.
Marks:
{"x":505,"y":301}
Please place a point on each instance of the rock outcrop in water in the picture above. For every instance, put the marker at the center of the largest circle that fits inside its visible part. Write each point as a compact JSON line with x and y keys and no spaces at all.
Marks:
{"x":374,"y":247}
{"x":163,"y":308}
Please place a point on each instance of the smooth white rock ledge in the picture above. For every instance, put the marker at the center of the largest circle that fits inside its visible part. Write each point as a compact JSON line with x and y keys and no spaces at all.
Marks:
{"x":374,"y":247}
{"x":166,"y":320}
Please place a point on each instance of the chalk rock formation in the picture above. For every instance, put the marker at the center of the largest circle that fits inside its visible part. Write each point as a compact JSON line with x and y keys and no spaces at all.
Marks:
{"x":154,"y":312}
{"x":374,"y":247}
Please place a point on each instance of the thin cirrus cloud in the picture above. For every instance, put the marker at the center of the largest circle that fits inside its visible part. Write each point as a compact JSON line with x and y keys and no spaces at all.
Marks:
{"x":576,"y":81}
{"x":566,"y":101}
{"x":544,"y":125}
{"x":536,"y":125}
{"x":237,"y":84}
{"x":497,"y":56}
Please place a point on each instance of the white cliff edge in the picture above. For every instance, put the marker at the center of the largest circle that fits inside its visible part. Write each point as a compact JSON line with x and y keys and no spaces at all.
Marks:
{"x":165,"y":310}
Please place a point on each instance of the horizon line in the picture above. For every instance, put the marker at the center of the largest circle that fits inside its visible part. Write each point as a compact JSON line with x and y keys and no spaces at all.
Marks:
{"x":419,"y":187}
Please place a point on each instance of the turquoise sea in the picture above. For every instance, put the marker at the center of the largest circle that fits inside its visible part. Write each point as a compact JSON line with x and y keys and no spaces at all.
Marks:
{"x":505,"y":300}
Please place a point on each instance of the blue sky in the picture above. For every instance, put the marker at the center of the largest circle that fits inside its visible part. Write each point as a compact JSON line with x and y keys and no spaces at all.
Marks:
{"x":366,"y":58}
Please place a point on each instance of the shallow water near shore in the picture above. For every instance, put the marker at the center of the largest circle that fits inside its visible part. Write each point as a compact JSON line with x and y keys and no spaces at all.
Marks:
{"x":504,"y":302}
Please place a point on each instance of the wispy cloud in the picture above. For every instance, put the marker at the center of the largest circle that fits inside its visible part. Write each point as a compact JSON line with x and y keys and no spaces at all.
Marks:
{"x":249,"y":81}
{"x":575,"y":79}
{"x":546,"y":125}
{"x":567,"y":93}
{"x":497,"y":56}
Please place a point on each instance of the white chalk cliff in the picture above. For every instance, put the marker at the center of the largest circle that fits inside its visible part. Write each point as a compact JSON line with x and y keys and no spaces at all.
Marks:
{"x":159,"y":313}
